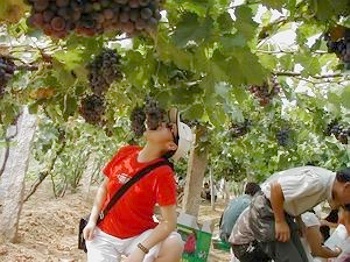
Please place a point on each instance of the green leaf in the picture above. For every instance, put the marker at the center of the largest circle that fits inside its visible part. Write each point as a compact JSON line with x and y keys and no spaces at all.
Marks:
{"x":286,"y":62}
{"x":276,"y":4}
{"x":240,"y":95}
{"x":236,"y":114}
{"x":62,"y":74}
{"x":222,"y":89}
{"x":70,"y":106}
{"x":217,"y":116}
{"x":291,"y":7}
{"x":195,"y":111}
{"x":208,"y":85}
{"x":311,"y":64}
{"x":192,"y":28}
{"x":333,"y":98}
{"x":219,"y":67}
{"x":230,"y":42}
{"x":305,"y":31}
{"x":134,"y":69}
{"x":328,"y":9}
{"x":168,"y":52}
{"x":70,"y":60}
{"x":345,"y":97}
{"x":245,"y":23}
{"x":225,"y":23}
{"x":250,"y":67}
{"x":196,"y":6}
{"x":268,"y":61}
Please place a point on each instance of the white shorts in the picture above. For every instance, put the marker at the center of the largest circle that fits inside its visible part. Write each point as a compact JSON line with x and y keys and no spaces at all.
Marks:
{"x":107,"y":248}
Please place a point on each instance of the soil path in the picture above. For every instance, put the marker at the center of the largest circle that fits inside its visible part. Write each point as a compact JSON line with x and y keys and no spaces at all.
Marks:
{"x":48,"y":229}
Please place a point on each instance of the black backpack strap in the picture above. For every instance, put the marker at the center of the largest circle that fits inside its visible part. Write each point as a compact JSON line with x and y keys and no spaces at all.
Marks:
{"x":132,"y":181}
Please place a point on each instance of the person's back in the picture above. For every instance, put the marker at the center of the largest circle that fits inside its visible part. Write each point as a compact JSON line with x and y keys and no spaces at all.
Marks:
{"x":231,"y":214}
{"x":234,"y":209}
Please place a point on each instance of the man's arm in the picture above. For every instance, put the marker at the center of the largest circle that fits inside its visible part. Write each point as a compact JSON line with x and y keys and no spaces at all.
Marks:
{"x":282,"y":231}
{"x":160,"y":232}
{"x":96,"y":208}
{"x":345,"y":219}
{"x":165,"y":227}
{"x":314,"y":239}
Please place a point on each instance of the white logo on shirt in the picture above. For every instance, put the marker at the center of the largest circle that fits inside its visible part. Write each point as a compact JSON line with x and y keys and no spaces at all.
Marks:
{"x":123,"y":178}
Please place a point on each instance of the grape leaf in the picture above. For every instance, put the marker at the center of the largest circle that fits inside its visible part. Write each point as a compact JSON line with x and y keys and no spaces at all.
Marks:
{"x":245,"y":23}
{"x":345,"y":97}
{"x":192,"y":28}
{"x":276,"y":4}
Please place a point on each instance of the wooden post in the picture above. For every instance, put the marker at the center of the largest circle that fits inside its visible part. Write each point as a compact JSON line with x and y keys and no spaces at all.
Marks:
{"x":212,"y":190}
{"x":12,"y":180}
{"x":197,"y":165}
{"x":86,"y":179}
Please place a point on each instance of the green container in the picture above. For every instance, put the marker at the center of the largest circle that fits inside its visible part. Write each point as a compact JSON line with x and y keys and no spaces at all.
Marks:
{"x":197,"y":244}
{"x":221,"y":245}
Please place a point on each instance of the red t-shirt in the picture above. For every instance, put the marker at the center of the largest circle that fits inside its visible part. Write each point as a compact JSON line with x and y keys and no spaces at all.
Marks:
{"x":133,"y":213}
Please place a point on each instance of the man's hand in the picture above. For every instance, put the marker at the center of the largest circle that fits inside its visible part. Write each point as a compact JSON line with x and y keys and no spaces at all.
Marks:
{"x":282,"y":231}
{"x":338,"y":251}
{"x":88,"y":231}
{"x":137,"y":256}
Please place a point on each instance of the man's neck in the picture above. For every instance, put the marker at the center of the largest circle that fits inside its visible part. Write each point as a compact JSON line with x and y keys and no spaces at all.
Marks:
{"x":148,"y":154}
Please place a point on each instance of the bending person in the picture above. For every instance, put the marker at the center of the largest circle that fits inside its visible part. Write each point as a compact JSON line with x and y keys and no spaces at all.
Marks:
{"x":285,"y":196}
{"x":234,"y":209}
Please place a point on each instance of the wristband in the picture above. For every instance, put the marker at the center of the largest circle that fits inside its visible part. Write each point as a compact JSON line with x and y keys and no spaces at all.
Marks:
{"x":143,"y":248}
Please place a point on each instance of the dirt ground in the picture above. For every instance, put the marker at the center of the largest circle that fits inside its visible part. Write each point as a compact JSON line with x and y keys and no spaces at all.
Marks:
{"x":48,"y":229}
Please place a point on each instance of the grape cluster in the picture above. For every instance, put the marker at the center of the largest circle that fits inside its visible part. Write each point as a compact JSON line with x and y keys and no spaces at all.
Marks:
{"x":103,"y":70}
{"x":340,"y":45}
{"x":150,"y":114}
{"x":283,"y":136}
{"x":240,"y":129}
{"x":339,"y":130}
{"x":154,"y":114}
{"x":58,"y":18}
{"x":266,"y":92}
{"x":138,"y":118}
{"x":92,"y":108}
{"x":7,"y":69}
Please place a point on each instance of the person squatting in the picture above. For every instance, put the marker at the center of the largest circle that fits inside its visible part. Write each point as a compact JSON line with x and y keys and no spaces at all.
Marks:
{"x":267,"y":230}
{"x":129,"y":229}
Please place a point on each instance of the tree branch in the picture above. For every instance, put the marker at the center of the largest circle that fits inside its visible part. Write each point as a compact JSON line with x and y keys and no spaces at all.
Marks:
{"x":280,"y":51}
{"x":7,"y":142}
{"x":294,"y":74}
{"x":44,"y":174}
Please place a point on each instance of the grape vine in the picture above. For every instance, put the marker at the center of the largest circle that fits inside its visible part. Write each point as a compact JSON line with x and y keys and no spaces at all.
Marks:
{"x":339,"y":130}
{"x":57,"y":18}
{"x":7,"y":69}
{"x":283,"y":137}
{"x":103,"y":71}
{"x":138,"y":118}
{"x":154,"y":114}
{"x":240,"y":129}
{"x":338,"y":42}
{"x":92,"y":109}
{"x":266,"y":92}
{"x":150,"y":115}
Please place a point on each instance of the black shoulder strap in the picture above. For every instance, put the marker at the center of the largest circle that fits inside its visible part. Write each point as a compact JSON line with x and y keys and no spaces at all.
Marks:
{"x":132,"y":181}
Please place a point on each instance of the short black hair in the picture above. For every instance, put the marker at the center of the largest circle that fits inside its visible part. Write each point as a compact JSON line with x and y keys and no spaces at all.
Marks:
{"x":251,"y":188}
{"x":343,"y":175}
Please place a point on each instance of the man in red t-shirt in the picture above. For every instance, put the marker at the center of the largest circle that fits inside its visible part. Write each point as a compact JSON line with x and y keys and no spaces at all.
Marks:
{"x":128,"y":228}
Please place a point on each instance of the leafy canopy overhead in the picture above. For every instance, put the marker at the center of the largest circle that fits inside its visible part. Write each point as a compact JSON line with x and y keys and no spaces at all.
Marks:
{"x":203,"y":58}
